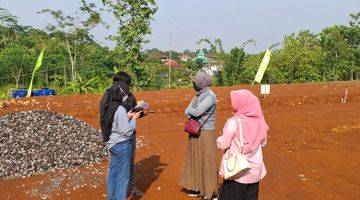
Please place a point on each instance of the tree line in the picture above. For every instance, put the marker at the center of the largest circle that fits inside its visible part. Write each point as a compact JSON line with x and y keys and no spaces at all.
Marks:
{"x":75,"y":62}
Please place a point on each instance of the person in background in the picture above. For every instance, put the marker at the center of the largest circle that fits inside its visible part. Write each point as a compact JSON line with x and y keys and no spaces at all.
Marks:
{"x":117,"y":126}
{"x":199,"y":176}
{"x":246,"y":107}
{"x":129,"y":104}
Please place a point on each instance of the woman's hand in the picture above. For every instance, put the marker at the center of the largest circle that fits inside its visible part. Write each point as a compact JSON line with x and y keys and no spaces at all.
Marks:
{"x":136,"y":116}
{"x":130,"y":114}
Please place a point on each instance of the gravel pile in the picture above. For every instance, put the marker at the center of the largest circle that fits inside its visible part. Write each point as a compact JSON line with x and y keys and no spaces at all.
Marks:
{"x":33,"y":142}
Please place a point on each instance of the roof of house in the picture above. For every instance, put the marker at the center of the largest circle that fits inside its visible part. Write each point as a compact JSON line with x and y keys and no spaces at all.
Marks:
{"x":185,"y":56}
{"x":172,"y":63}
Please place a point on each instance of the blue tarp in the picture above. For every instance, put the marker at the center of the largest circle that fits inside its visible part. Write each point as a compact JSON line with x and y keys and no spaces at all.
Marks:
{"x":21,"y":93}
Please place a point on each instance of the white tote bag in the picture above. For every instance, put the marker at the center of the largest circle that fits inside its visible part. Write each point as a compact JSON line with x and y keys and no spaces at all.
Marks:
{"x":237,"y":162}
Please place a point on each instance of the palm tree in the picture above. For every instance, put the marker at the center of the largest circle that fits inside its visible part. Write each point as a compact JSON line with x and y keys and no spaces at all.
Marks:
{"x":215,"y":46}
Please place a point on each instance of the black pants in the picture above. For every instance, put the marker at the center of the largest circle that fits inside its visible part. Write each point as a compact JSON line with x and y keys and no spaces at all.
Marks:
{"x":232,"y":190}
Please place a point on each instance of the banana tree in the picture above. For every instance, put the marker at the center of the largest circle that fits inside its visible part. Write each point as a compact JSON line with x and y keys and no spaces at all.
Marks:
{"x":81,"y":86}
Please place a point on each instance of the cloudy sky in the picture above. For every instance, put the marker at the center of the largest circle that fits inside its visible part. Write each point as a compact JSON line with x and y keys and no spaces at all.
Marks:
{"x":234,"y":21}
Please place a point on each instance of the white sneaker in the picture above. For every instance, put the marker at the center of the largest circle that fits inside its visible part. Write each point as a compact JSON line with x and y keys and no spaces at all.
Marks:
{"x":215,"y":198}
{"x":193,"y":195}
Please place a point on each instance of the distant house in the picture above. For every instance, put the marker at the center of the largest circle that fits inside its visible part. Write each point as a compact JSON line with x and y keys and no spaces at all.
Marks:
{"x":211,"y":56}
{"x":164,"y":58}
{"x":185,"y":57}
{"x":214,"y":65}
{"x":172,"y":64}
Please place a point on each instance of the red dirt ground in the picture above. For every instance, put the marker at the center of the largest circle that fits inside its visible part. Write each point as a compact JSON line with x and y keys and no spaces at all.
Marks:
{"x":312,"y":151}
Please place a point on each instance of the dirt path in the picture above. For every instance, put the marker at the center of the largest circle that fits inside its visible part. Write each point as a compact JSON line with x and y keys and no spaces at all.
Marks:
{"x":312,"y":151}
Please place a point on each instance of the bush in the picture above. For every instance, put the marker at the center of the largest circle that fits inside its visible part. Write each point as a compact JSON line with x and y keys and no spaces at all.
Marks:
{"x":5,"y":91}
{"x":82,"y":86}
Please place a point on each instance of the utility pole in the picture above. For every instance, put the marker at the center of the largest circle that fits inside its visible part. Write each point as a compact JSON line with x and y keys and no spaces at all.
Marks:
{"x":170,"y":61}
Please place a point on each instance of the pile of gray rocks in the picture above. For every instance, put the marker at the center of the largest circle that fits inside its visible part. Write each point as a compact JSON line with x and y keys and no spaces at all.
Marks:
{"x":38,"y":141}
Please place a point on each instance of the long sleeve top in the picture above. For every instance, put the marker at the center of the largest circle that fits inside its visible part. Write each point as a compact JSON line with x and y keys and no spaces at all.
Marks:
{"x":226,"y":142}
{"x":206,"y":106}
{"x":122,"y":127}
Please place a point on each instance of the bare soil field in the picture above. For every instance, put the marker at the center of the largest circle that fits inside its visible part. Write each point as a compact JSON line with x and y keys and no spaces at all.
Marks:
{"x":312,"y":151}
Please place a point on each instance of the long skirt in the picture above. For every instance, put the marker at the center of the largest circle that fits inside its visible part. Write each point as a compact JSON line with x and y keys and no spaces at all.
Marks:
{"x":200,"y":170}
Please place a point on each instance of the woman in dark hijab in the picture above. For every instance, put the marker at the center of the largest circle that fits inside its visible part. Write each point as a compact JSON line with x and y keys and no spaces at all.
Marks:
{"x":131,"y":100}
{"x":117,"y":127}
{"x":199,"y":176}
{"x":129,"y":104}
{"x":125,"y":77}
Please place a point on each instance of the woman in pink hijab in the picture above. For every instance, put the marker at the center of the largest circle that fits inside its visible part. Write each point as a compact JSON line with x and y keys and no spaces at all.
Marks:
{"x":247,"y":111}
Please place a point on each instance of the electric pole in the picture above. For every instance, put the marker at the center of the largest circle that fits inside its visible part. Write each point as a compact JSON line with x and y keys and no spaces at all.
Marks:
{"x":170,"y":61}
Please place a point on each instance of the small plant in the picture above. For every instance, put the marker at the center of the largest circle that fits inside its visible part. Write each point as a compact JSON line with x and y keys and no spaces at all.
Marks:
{"x":81,"y":86}
{"x":57,"y":80}
{"x":103,"y":85}
{"x":6,"y":90}
{"x":3,"y":96}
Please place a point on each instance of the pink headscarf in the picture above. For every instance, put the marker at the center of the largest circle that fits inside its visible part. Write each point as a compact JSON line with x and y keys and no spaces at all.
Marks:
{"x":247,"y":106}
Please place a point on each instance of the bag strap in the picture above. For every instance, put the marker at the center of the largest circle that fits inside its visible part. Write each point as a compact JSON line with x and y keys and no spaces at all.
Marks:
{"x":240,"y":129}
{"x":209,"y":116}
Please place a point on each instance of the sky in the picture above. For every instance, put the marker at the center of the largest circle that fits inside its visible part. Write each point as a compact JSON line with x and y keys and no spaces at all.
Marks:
{"x":233,"y":21}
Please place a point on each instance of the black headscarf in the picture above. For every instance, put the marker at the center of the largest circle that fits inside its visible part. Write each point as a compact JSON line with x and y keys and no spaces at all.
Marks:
{"x":130,"y":102}
{"x":122,"y":76}
{"x":113,"y":98}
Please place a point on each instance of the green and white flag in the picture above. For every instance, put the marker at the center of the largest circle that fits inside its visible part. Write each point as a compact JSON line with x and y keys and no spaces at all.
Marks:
{"x":37,"y":66}
{"x":264,"y":63}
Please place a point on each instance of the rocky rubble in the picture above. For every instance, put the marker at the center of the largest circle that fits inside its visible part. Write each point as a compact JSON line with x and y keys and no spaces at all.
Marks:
{"x":38,"y":141}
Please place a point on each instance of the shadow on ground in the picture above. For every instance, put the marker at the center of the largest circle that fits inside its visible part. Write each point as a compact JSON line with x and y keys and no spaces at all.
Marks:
{"x":147,"y":171}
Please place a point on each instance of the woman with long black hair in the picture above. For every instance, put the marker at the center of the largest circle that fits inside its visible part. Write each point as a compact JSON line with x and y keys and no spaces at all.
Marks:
{"x":117,"y":127}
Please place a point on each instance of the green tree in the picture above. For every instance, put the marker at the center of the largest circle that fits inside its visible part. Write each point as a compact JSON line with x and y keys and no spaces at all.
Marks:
{"x":133,"y":19}
{"x":153,"y":54}
{"x":10,"y":30}
{"x":194,"y":66}
{"x":272,"y":74}
{"x":233,"y":66}
{"x":301,"y":58}
{"x":337,"y":53}
{"x":73,"y":31}
{"x":215,"y":47}
{"x":81,"y":86}
{"x":352,"y":36}
{"x":15,"y":61}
